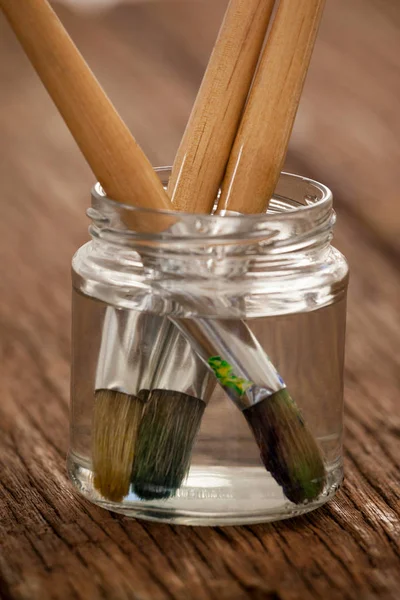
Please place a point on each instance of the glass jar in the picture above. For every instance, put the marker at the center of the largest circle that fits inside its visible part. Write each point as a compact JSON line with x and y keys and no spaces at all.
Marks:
{"x":148,"y":309}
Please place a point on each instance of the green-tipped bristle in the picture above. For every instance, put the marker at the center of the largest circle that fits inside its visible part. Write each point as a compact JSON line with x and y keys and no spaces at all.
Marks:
{"x":116,"y":420}
{"x":166,"y":437}
{"x":288,"y":449}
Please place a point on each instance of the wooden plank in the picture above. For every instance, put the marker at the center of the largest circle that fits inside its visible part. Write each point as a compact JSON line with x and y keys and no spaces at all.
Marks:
{"x":56,"y":545}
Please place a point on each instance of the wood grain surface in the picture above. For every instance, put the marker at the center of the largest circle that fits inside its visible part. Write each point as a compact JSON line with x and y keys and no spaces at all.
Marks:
{"x":151,"y":58}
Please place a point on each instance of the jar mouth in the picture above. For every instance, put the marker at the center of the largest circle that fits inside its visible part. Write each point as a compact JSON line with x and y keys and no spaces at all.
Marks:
{"x":299,"y":207}
{"x":313,"y":201}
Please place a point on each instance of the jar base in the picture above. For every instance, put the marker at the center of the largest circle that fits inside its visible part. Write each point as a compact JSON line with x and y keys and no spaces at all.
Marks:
{"x":211,"y":496}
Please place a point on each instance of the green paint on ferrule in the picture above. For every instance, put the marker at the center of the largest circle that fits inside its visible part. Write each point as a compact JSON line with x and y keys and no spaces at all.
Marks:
{"x":227,"y":378}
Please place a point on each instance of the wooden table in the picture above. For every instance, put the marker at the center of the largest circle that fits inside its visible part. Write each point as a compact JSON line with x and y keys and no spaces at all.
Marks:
{"x":150,"y":59}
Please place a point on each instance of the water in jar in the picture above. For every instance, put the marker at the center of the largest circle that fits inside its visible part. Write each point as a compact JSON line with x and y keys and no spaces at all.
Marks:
{"x":227,"y":482}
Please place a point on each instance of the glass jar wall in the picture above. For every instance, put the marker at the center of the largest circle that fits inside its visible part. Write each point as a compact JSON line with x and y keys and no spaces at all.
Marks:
{"x":177,"y":330}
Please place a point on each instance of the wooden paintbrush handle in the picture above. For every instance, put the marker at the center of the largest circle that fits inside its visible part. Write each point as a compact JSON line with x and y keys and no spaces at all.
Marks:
{"x":115,"y":158}
{"x":261,"y":143}
{"x":204,"y":151}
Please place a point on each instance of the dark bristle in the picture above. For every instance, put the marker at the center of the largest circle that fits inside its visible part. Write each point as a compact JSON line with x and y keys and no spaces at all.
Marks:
{"x":166,"y":437}
{"x":143,"y":395}
{"x":288,"y":449}
{"x":146,"y":491}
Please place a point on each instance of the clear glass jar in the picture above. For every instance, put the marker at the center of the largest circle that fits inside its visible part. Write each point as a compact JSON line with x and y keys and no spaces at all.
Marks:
{"x":276,"y":272}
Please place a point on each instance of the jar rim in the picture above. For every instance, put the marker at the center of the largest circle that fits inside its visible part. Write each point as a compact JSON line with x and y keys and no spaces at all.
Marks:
{"x":325,"y":200}
{"x":299,"y":207}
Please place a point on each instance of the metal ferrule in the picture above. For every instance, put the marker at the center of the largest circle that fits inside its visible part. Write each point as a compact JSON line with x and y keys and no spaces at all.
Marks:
{"x":128,"y":356}
{"x":140,"y":352}
{"x":180,"y":369}
{"x":233,"y":354}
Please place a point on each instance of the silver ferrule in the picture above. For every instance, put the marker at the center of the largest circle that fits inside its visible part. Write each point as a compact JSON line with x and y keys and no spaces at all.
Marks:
{"x":128,"y":356}
{"x":141,"y":352}
{"x":180,"y":369}
{"x":235,"y":357}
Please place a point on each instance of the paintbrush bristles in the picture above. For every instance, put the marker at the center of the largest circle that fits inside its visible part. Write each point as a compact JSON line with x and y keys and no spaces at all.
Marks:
{"x":204,"y":151}
{"x":288,"y":449}
{"x":116,"y":420}
{"x":261,"y":143}
{"x":166,"y":437}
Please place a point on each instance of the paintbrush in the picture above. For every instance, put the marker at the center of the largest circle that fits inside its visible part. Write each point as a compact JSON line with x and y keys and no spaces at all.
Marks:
{"x":171,"y":421}
{"x":180,"y":391}
{"x":131,"y":343}
{"x":127,"y":176}
{"x":287,"y":447}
